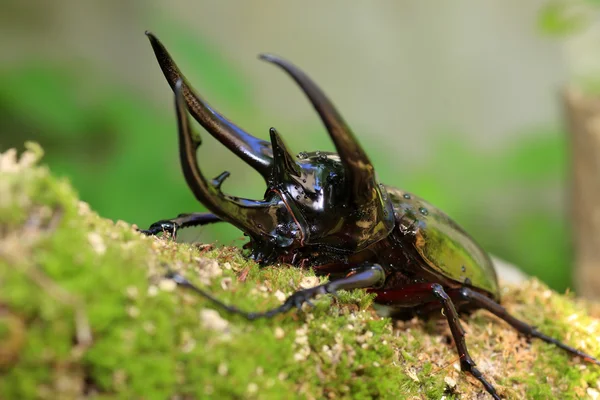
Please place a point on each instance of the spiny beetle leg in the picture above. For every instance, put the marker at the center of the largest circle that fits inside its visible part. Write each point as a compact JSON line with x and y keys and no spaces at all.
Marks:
{"x":423,"y":293}
{"x":366,"y":276}
{"x":470,"y":296}
{"x":172,"y":225}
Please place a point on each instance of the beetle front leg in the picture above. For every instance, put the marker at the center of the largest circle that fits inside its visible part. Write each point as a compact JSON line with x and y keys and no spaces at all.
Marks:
{"x":470,"y":296}
{"x":186,"y":220}
{"x":423,"y":293}
{"x":172,"y":225}
{"x":364,"y":276}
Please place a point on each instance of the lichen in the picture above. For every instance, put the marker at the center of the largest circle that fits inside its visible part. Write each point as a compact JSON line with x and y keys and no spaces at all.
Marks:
{"x":85,"y":311}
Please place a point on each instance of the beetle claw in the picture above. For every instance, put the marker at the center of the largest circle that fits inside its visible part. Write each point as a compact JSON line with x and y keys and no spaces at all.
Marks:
{"x":162,"y":226}
{"x":299,"y":298}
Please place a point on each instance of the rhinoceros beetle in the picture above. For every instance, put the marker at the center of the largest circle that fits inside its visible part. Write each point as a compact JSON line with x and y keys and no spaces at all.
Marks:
{"x":327,"y":211}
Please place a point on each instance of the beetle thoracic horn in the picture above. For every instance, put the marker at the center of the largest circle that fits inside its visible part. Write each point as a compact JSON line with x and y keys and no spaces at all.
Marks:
{"x":239,"y":212}
{"x":355,"y":161}
{"x":255,"y":152}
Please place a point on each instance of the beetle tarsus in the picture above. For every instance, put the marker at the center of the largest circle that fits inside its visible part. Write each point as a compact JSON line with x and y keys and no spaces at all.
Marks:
{"x":162,"y":226}
{"x":182,"y":281}
{"x":369,"y":275}
{"x":466,"y":362}
{"x":472,"y":297}
{"x":428,"y":292}
{"x":488,"y":386}
{"x":171,"y":226}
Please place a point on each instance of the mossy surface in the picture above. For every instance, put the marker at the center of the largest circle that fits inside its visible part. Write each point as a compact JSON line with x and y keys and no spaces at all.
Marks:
{"x":85,"y":312}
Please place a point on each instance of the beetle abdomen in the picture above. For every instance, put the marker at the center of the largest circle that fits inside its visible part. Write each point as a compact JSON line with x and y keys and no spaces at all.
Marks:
{"x":442,"y":244}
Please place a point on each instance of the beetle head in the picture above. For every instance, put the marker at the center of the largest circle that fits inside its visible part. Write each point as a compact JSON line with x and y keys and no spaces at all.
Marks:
{"x":323,"y":200}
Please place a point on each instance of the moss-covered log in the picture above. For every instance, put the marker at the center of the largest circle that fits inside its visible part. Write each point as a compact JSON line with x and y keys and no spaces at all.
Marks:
{"x":84,"y":312}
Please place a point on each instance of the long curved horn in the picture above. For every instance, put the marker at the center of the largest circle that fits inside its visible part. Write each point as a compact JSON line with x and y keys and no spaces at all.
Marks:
{"x":242,"y":213}
{"x":355,"y":160}
{"x":255,"y":152}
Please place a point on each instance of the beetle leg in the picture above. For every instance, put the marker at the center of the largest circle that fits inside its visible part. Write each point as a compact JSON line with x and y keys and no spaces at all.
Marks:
{"x":423,"y":293}
{"x":186,"y":220}
{"x":472,"y":297}
{"x":172,"y":225}
{"x":367,"y":276}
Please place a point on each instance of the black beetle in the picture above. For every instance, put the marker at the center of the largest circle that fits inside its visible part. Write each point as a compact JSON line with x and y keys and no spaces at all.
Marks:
{"x":327,"y":211}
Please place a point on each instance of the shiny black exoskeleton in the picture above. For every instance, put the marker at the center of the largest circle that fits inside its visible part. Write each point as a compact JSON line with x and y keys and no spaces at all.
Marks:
{"x":328,"y":211}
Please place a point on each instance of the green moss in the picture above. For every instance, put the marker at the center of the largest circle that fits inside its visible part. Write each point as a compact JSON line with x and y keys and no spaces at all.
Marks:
{"x":84,"y":312}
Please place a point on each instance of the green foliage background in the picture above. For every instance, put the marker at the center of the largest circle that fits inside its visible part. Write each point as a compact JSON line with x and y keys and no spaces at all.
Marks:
{"x":119,"y":151}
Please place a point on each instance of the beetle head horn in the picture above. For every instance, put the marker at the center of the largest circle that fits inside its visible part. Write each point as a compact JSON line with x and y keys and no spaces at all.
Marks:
{"x":356,"y":163}
{"x":252,"y":216}
{"x":255,"y":152}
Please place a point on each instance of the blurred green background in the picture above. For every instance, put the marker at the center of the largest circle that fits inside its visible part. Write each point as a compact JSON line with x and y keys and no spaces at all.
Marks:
{"x":457,"y":102}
